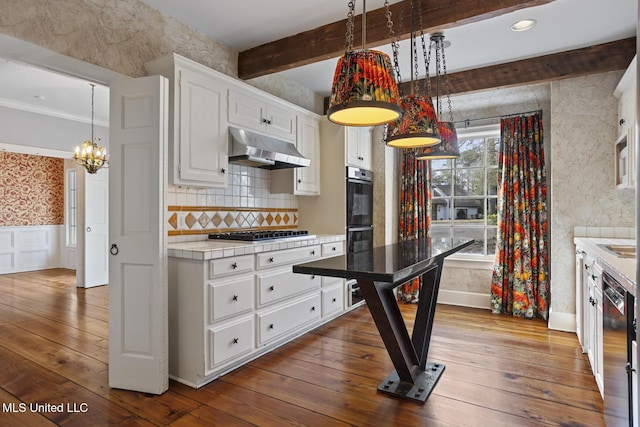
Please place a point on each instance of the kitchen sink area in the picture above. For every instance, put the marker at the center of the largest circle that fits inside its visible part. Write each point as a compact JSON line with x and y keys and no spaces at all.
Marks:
{"x":622,"y":251}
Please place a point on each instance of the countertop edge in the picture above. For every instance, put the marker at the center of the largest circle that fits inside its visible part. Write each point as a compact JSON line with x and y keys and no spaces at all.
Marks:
{"x":621,"y":269}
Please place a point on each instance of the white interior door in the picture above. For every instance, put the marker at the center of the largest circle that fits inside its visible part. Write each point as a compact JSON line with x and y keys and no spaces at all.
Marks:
{"x":138,"y":330}
{"x":96,"y":228}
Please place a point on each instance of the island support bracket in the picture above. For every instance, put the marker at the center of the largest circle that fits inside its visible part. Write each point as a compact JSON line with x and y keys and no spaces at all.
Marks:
{"x":413,"y":378}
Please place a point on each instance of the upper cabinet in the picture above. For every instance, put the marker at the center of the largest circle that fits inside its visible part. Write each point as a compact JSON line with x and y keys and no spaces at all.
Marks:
{"x":625,"y":142}
{"x":302,"y":181}
{"x":198,"y":137}
{"x":255,"y":112}
{"x":204,"y":103}
{"x":358,"y":145}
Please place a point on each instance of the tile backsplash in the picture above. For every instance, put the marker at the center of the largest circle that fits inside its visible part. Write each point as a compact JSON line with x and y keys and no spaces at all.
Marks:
{"x":611,"y":232}
{"x":246,"y":203}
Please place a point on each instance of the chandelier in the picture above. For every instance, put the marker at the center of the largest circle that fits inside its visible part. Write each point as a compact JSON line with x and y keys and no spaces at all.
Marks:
{"x":448,"y":147}
{"x":364,"y":91}
{"x":90,"y":154}
{"x":418,"y":126}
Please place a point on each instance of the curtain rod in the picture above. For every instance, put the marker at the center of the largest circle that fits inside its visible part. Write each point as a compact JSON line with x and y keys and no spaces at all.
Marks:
{"x":467,"y":121}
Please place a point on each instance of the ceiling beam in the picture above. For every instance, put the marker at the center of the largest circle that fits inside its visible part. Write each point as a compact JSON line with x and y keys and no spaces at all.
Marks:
{"x":328,"y":41}
{"x":601,"y":58}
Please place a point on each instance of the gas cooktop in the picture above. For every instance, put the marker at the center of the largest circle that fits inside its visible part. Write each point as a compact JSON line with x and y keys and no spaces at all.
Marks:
{"x":260,"y":236}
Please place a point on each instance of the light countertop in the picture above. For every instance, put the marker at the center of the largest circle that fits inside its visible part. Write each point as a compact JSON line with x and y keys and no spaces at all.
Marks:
{"x":622,"y":269}
{"x":212,"y":249}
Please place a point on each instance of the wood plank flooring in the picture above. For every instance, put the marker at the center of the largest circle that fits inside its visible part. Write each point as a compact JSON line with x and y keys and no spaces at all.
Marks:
{"x":499,"y":371}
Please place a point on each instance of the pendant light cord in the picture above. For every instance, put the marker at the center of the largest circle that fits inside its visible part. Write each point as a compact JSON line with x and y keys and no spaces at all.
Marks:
{"x":93,"y":87}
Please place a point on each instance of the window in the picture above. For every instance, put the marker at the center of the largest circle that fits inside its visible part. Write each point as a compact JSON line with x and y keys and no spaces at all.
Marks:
{"x":72,"y":204}
{"x":464,"y":200}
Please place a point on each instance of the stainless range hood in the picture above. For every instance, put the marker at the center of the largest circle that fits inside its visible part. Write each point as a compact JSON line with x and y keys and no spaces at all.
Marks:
{"x":251,"y":149}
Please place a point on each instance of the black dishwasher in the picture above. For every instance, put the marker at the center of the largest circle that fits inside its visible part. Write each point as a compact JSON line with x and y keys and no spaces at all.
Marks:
{"x":617,"y":334}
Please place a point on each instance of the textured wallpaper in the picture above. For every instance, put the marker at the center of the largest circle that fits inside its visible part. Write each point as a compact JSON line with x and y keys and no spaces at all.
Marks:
{"x":31,"y":190}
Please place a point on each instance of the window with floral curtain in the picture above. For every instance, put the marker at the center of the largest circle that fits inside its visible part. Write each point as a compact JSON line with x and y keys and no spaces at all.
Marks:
{"x":415,"y":204}
{"x":520,"y":281}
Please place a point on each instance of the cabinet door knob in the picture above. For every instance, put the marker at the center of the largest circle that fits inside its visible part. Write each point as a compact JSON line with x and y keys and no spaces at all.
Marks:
{"x":223,"y":171}
{"x":272,"y":288}
{"x":235,"y":298}
{"x":313,"y":308}
{"x":264,"y":121}
{"x":235,"y":341}
{"x":333,"y":248}
{"x":299,"y":181}
{"x":313,"y":276}
{"x":234,"y":265}
{"x":271,"y":259}
{"x":333,"y":300}
{"x":621,"y":122}
{"x":313,"y":252}
{"x":271,"y":326}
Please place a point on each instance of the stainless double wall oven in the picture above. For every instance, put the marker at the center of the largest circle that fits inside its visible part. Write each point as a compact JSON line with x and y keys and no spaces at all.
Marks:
{"x":359,"y":219}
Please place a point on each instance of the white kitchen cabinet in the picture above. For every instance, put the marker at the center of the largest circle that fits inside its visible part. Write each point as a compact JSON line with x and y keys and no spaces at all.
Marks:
{"x":594,"y":328}
{"x":198,"y":136}
{"x":580,"y":297}
{"x":303,"y":181}
{"x":634,"y":382}
{"x":625,"y":154}
{"x":253,"y":111}
{"x":225,"y":311}
{"x":358,"y":143}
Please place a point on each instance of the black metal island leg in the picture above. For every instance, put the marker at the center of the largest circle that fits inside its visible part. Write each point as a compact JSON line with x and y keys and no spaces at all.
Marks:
{"x":413,"y":378}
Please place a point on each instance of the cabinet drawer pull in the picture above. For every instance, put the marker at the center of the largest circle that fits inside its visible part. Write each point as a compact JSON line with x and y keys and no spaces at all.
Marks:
{"x":271,"y":326}
{"x":270,"y":259}
{"x":334,"y":248}
{"x":223,"y":171}
{"x":313,"y":276}
{"x":621,"y":122}
{"x":299,"y":181}
{"x":235,"y":298}
{"x":313,"y":308}
{"x":234,"y":265}
{"x":313,"y":252}
{"x":235,"y":341}
{"x":272,"y":288}
{"x":333,"y":300}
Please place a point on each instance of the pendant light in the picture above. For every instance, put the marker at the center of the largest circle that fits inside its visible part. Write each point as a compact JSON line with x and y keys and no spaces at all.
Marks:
{"x":418,"y":126}
{"x":89,"y":155}
{"x":364,"y":91}
{"x":448,"y":147}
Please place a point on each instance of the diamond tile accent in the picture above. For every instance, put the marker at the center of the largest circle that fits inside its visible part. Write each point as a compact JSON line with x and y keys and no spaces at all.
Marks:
{"x":190,"y":220}
{"x":286,"y":218}
{"x":240,"y":219}
{"x":228,"y":219}
{"x":269,"y":219}
{"x":173,"y":221}
{"x":216,"y":219}
{"x":278,"y":218}
{"x":203,"y":220}
{"x":260,"y":219}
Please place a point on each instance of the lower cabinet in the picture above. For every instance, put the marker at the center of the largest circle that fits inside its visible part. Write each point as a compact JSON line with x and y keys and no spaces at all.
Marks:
{"x":227,"y":311}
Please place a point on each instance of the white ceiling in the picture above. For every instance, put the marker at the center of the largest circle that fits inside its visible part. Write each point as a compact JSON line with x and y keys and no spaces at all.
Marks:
{"x":562,"y":25}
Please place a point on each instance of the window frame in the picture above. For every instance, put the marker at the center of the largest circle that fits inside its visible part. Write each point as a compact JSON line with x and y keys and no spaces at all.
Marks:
{"x":476,"y":261}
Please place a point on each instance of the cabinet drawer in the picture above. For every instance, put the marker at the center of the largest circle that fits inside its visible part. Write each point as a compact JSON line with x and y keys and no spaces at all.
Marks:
{"x":330,"y":281}
{"x":230,"y":297}
{"x":278,"y":285}
{"x":231,"y":265}
{"x":287,"y":256}
{"x":275,"y":323}
{"x":332,"y":300}
{"x":228,"y":341}
{"x":332,"y":249}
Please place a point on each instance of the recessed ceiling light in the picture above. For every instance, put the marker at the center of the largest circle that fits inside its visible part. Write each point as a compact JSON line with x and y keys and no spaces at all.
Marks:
{"x":40,"y":97}
{"x":524,"y":25}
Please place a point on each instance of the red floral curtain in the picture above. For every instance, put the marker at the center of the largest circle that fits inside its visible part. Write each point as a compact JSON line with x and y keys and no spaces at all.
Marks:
{"x":520,"y":282}
{"x":415,"y":204}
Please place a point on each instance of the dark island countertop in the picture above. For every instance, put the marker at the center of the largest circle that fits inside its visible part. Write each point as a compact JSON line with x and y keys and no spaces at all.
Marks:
{"x":395,"y":263}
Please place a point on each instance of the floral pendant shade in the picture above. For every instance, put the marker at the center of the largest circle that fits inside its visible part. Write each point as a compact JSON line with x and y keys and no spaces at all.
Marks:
{"x":364,"y":91}
{"x":447,"y":148}
{"x":418,"y":127}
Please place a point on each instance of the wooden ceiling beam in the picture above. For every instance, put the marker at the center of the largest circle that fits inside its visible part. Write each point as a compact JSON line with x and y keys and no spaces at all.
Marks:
{"x":600,"y":58}
{"x":328,"y":41}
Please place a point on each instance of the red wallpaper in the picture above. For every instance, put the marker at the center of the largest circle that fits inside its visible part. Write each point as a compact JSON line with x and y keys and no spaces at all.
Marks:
{"x":31,"y":190}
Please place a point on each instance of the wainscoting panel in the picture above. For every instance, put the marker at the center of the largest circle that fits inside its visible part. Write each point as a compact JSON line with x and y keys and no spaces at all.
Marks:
{"x":29,"y":248}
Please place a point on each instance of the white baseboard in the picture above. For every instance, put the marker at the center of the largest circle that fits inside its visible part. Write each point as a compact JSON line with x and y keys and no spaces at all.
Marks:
{"x":465,"y":299}
{"x":562,"y":321}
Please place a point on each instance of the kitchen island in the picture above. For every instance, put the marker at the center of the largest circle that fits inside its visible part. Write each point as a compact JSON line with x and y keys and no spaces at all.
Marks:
{"x":378,"y":272}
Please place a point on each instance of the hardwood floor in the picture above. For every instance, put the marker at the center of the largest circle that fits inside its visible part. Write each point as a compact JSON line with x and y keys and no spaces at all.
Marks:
{"x":499,"y":371}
